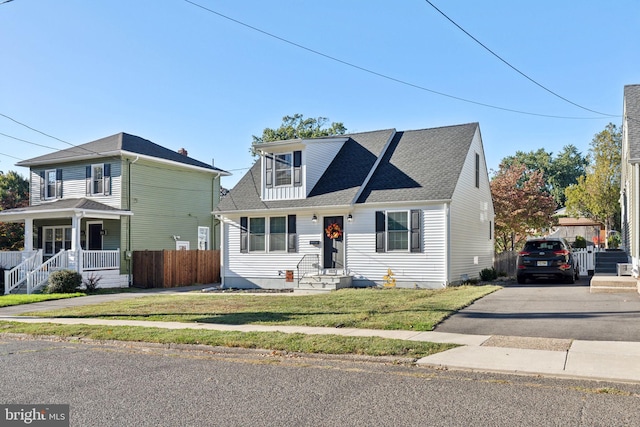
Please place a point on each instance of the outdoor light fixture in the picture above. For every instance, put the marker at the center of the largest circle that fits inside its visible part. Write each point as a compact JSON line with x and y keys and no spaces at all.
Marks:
{"x":103,"y":232}
{"x":349,"y":217}
{"x":314,"y":218}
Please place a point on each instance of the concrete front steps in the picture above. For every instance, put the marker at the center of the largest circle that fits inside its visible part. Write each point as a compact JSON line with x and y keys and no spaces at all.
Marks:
{"x":601,"y":283}
{"x":326,"y":282}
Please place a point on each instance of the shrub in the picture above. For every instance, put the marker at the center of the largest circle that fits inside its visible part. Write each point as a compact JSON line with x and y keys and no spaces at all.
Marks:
{"x":64,"y":282}
{"x":614,"y":240}
{"x":488,"y":274}
{"x":580,"y":242}
{"x":91,"y":282}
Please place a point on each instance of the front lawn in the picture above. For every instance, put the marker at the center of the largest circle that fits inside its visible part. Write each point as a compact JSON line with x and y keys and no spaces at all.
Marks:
{"x":392,"y":309}
{"x":17,"y":299}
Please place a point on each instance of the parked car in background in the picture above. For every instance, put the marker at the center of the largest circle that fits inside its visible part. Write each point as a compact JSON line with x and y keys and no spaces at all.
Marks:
{"x":547,"y":258}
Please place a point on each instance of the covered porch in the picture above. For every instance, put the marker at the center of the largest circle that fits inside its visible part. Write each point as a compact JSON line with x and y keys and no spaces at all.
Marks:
{"x":79,"y":234}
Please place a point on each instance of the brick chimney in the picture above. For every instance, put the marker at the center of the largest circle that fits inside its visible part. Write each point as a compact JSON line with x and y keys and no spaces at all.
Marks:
{"x":183,"y":152}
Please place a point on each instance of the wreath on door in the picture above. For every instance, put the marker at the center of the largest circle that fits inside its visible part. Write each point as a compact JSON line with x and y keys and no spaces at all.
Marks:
{"x":333,"y":231}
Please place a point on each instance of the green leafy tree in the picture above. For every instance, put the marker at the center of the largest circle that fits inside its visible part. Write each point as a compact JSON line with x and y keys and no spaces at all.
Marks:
{"x":597,"y":194}
{"x":559,"y":172}
{"x":14,"y":193}
{"x":297,"y":126}
{"x":523,"y":206}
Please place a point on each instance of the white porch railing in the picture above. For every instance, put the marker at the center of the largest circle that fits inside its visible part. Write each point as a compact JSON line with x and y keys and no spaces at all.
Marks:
{"x":586,"y":259}
{"x":35,"y":274}
{"x":9,"y":259}
{"x":40,"y":275}
{"x":18,"y":275}
{"x":99,"y":260}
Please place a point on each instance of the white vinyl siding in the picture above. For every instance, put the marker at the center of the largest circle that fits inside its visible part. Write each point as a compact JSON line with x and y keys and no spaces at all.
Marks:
{"x":472,"y":214}
{"x":319,"y":156}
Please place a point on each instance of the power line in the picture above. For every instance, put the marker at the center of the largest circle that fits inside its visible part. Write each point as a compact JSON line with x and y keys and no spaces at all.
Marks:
{"x":28,"y":142}
{"x":384,"y":76}
{"x":46,"y":134}
{"x":516,"y":69}
{"x":9,"y":155}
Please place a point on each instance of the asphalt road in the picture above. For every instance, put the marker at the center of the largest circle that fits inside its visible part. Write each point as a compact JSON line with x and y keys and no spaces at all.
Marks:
{"x":551,"y":310}
{"x":117,"y":385}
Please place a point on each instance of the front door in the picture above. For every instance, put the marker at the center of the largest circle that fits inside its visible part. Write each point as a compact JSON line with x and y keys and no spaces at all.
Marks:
{"x":333,"y":253}
{"x":94,"y":236}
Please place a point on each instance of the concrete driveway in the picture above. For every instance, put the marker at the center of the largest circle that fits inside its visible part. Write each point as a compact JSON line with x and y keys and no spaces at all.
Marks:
{"x":551,"y":310}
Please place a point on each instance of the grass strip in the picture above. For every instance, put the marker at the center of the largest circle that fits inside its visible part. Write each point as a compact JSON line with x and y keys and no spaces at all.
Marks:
{"x":300,"y":343}
{"x":18,"y":299}
{"x":371,"y":308}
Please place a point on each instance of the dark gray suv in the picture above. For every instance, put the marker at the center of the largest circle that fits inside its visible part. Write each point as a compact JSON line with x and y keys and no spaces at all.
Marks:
{"x":547,"y":258}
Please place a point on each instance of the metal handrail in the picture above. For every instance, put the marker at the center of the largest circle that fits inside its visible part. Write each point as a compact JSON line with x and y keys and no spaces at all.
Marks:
{"x":309,"y":264}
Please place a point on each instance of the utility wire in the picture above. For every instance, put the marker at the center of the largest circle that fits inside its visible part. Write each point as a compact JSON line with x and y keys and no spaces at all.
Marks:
{"x":384,"y":76}
{"x":45,"y":134}
{"x":516,"y":69}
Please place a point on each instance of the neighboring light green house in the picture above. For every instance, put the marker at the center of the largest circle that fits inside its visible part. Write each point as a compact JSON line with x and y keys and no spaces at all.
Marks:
{"x":93,"y":204}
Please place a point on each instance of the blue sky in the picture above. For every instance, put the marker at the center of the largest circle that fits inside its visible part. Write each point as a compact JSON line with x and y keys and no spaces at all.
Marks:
{"x":182,"y":76}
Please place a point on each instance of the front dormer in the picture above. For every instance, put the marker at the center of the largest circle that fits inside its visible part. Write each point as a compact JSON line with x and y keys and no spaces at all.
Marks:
{"x":290,"y":169}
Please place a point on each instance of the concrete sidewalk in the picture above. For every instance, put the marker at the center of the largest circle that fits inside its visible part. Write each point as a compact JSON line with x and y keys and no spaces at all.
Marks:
{"x":601,"y":360}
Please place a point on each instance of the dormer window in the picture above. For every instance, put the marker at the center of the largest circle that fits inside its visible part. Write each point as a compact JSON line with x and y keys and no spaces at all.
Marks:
{"x":283,"y":169}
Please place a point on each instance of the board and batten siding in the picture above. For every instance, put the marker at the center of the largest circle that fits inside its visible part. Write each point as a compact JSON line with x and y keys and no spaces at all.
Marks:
{"x":168,"y":201}
{"x":265,"y":269}
{"x":426,"y":268}
{"x":74,"y":183}
{"x":472,"y":219}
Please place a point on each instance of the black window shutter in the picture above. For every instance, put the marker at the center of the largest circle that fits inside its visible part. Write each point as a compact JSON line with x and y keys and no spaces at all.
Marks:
{"x":39,"y":239}
{"x":291,"y":234}
{"x":107,"y":179}
{"x":297,"y":168}
{"x":42,"y":185}
{"x":415,"y":230}
{"x":268,"y":171}
{"x":59,"y":183}
{"x":477,"y":170}
{"x":380,"y":231}
{"x":88,"y":180}
{"x":244,"y":234}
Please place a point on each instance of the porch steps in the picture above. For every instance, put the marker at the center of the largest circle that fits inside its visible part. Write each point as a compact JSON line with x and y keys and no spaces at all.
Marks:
{"x":607,"y":261}
{"x":323,"y":283}
{"x":603,"y":283}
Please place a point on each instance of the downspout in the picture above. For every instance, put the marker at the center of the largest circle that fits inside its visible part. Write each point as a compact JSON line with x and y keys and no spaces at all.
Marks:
{"x":447,"y":261}
{"x":635,"y":233}
{"x":129,"y":251}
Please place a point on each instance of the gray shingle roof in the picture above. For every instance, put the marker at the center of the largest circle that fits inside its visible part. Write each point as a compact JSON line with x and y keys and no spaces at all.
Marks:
{"x":632,"y":107}
{"x":418,"y":165}
{"x":63,"y":204}
{"x":111,"y":145}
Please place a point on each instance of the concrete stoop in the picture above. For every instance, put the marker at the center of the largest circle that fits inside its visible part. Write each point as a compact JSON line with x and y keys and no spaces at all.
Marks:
{"x":323,"y":283}
{"x":617,"y":284}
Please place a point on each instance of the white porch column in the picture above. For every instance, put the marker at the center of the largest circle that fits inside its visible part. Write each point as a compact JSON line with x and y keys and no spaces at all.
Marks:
{"x":76,"y":220}
{"x":28,"y":234}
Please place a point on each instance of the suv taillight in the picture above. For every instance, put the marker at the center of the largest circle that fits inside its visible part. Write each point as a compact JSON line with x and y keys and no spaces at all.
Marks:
{"x":562,"y":252}
{"x":524,"y":253}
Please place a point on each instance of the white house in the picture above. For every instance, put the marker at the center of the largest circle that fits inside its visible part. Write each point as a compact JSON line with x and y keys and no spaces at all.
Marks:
{"x":413,"y":208}
{"x":630,"y":179}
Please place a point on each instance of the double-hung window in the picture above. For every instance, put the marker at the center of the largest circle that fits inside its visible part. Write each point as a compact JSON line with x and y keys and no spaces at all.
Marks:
{"x":398,"y":231}
{"x":98,"y":179}
{"x":277,"y":233}
{"x":272,"y":234}
{"x":50,"y":184}
{"x":283,"y":169}
{"x":257,"y":234}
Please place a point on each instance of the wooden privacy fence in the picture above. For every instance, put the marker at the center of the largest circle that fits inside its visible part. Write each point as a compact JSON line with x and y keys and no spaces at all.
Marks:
{"x":505,"y":262}
{"x":169,"y":269}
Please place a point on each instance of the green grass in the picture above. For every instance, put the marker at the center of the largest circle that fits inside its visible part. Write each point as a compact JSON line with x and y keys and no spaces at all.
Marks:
{"x":392,"y":309}
{"x":17,"y":299}
{"x":323,"y":344}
